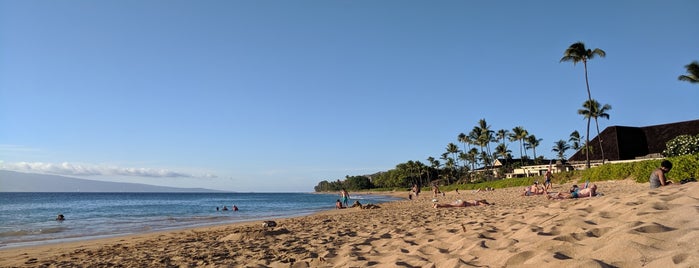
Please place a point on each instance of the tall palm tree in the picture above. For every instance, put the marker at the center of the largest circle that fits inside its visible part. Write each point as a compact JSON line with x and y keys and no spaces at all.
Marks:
{"x":591,"y":109}
{"x":576,"y":140}
{"x":453,"y":150}
{"x":560,"y":147}
{"x":486,"y":137}
{"x":577,"y":52}
{"x":518,"y":134}
{"x":463,"y":139}
{"x":532,"y":142}
{"x":693,"y":73}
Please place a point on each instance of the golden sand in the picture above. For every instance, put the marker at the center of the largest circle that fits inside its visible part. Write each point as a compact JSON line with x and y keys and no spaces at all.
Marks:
{"x":629,"y":226}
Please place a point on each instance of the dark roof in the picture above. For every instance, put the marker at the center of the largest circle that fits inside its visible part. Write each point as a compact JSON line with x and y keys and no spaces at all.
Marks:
{"x":623,"y":143}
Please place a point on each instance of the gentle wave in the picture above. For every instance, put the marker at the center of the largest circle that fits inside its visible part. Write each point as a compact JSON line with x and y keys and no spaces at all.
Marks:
{"x":32,"y":232}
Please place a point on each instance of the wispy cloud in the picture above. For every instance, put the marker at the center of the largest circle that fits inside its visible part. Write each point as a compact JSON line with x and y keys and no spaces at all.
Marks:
{"x":94,"y":170}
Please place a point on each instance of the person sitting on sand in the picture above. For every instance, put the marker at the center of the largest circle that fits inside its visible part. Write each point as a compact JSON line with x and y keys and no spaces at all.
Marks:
{"x":338,"y":204}
{"x":533,"y":190}
{"x":435,"y":190}
{"x":461,"y":203}
{"x":657,"y":178}
{"x":575,"y":192}
{"x":357,"y":204}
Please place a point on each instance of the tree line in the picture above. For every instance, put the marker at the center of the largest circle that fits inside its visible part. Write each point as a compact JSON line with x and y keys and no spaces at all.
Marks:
{"x":482,"y":146}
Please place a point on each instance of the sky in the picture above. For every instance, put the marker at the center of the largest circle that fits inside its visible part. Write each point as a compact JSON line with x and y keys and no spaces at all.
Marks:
{"x":276,"y":96}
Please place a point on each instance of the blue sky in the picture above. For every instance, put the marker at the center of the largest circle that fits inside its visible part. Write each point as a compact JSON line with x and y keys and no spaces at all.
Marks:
{"x":279,"y":95}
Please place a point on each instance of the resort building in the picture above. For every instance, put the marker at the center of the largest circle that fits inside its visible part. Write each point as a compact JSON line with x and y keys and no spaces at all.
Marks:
{"x":619,"y":144}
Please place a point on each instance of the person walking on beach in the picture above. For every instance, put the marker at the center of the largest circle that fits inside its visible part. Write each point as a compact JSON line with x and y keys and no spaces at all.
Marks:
{"x":657,"y":177}
{"x":344,"y":196}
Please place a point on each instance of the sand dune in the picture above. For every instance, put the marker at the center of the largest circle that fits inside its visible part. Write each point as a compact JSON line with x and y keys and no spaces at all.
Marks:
{"x":629,"y":226}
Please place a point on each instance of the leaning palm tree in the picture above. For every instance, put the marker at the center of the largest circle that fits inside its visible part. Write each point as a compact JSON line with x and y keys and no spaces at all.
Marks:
{"x":693,"y":73}
{"x":591,"y":109}
{"x":560,"y":147}
{"x":577,"y":52}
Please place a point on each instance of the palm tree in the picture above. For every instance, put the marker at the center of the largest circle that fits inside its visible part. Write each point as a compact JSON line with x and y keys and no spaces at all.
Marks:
{"x":501,"y":136}
{"x":453,"y":150}
{"x":576,"y":140}
{"x":577,"y":52}
{"x":531,"y":143}
{"x":597,"y":113}
{"x":519,"y":134}
{"x":560,"y":148}
{"x":693,"y":73}
{"x":503,"y":151}
{"x":591,"y":109}
{"x":485,"y":138}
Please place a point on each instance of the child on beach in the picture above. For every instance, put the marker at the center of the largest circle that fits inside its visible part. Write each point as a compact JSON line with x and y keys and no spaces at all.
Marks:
{"x":657,"y":177}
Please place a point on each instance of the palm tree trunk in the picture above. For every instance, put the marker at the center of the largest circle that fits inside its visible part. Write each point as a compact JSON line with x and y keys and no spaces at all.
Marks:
{"x":600,"y":140}
{"x":587,"y":137}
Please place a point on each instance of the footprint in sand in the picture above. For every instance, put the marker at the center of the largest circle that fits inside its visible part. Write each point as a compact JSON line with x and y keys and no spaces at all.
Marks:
{"x":677,"y":259}
{"x":561,"y":256}
{"x":519,"y":258}
{"x":654,"y":228}
{"x":609,"y":214}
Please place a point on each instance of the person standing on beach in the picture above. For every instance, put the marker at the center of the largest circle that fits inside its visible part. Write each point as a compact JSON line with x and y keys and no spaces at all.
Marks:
{"x":657,"y":177}
{"x":344,"y":196}
{"x":547,"y":183}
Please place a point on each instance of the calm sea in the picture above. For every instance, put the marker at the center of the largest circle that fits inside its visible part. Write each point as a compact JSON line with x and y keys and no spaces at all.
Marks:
{"x":29,"y":218}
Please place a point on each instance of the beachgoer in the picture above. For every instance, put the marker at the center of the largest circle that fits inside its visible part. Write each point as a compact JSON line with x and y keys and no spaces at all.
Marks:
{"x":225,"y":208}
{"x":60,"y":217}
{"x":338,"y":204}
{"x":235,"y":208}
{"x":461,"y":203}
{"x":547,"y":183}
{"x":657,"y":177}
{"x":344,"y":196}
{"x":357,"y":204}
{"x":217,"y":209}
{"x":533,"y":190}
{"x":575,"y":192}
{"x":435,"y":190}
{"x":416,"y":190}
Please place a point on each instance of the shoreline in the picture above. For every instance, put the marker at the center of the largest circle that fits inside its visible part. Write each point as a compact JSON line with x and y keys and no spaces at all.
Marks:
{"x":629,"y":225}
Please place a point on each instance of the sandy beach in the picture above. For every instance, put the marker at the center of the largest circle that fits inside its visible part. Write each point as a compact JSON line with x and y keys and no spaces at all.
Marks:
{"x":628,"y":226}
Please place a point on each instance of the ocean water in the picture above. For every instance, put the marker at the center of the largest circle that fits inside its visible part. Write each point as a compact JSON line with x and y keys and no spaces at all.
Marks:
{"x":29,"y":218}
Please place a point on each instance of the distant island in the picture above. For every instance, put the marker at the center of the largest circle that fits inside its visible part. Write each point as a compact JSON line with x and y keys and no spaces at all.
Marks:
{"x":11,"y":181}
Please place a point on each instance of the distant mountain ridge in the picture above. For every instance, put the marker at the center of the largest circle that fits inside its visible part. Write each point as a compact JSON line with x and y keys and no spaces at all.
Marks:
{"x":11,"y":181}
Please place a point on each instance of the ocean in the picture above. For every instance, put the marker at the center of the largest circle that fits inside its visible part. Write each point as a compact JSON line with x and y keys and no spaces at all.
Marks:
{"x":30,"y":218}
